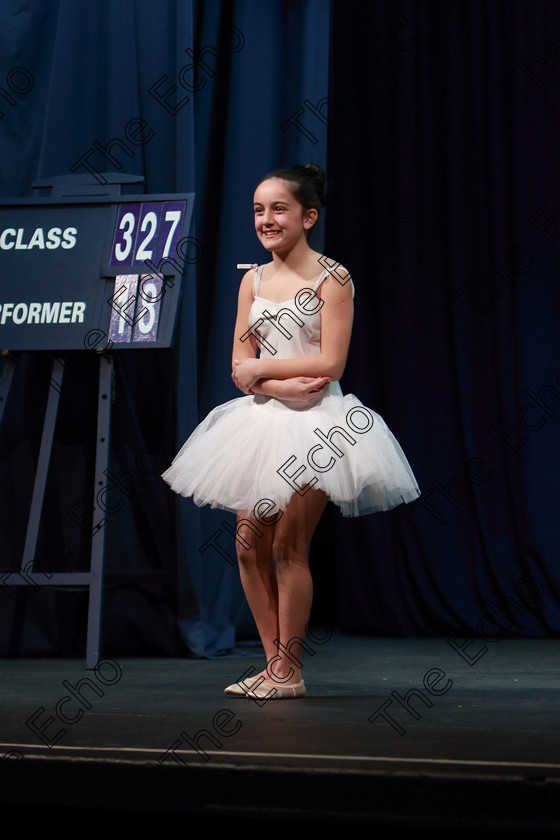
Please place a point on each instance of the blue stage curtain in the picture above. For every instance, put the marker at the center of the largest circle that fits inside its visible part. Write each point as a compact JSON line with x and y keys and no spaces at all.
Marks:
{"x":437,"y":123}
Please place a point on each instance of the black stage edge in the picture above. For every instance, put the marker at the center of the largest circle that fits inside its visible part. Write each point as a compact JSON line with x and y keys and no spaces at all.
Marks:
{"x":477,"y":749}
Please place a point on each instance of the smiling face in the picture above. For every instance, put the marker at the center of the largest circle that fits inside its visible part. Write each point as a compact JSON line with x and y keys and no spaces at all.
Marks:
{"x":281,"y":222}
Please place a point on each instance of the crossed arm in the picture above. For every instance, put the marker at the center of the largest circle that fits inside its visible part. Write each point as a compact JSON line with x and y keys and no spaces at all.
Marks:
{"x":303,"y":377}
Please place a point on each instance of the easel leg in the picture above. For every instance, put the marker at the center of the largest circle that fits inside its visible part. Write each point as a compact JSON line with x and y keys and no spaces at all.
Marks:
{"x":98,"y":536}
{"x":42,"y":468}
{"x":6,"y":380}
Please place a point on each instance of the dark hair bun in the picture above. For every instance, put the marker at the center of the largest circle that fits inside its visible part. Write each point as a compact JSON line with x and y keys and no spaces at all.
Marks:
{"x":312,"y":169}
{"x":314,"y":175}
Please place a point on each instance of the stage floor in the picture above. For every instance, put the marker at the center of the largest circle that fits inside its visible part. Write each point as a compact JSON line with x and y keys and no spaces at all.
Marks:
{"x":476,"y":748}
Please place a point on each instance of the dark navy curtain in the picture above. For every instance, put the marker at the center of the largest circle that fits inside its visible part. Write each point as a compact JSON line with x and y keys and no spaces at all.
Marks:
{"x":444,"y":155}
{"x":438,"y":125}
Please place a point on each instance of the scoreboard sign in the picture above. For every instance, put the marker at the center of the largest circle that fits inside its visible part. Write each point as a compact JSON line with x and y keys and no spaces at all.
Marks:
{"x":78,"y":273}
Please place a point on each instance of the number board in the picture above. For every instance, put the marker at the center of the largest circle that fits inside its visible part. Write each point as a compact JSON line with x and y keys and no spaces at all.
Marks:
{"x":94,"y":272}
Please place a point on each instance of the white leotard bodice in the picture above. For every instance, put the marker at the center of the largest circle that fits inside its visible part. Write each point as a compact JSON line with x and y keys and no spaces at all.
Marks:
{"x":287,"y":329}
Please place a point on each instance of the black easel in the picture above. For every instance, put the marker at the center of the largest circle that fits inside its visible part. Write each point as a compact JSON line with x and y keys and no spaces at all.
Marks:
{"x":66,"y":186}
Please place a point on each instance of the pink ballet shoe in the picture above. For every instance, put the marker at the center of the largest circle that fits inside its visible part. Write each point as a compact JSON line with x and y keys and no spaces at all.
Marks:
{"x":270,"y":690}
{"x":238,"y":690}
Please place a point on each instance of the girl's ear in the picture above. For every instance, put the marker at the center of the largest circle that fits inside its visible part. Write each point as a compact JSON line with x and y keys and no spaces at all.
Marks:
{"x":310,"y":218}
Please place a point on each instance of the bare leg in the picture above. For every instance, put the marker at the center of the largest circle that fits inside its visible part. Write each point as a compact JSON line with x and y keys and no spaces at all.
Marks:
{"x":277,"y":582}
{"x":258,"y":579}
{"x":290,"y":551}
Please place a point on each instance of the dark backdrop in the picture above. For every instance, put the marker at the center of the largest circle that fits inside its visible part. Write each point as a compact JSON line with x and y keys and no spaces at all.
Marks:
{"x":438,"y":125}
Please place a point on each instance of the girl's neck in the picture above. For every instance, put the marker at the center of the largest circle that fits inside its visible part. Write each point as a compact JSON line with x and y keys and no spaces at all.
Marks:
{"x":296,"y":259}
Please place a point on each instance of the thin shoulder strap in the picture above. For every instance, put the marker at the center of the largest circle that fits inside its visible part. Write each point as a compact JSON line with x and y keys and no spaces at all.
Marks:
{"x":320,"y":279}
{"x":257,"y":278}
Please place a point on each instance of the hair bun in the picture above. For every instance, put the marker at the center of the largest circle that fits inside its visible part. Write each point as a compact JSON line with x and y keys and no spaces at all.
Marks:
{"x":316,"y":174}
{"x":312,"y":170}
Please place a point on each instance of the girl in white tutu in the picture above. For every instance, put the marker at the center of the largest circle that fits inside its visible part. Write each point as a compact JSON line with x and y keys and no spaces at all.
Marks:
{"x":277,"y":455}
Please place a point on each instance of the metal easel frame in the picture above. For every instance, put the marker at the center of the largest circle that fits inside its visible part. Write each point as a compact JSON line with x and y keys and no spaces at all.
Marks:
{"x":68,"y":187}
{"x":93,"y":580}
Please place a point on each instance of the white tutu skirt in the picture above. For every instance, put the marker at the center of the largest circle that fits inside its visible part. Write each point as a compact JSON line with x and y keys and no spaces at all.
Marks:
{"x":257,"y":448}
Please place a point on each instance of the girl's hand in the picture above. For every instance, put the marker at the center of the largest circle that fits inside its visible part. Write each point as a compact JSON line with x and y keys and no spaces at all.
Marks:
{"x":244,"y":374}
{"x":301,"y":388}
